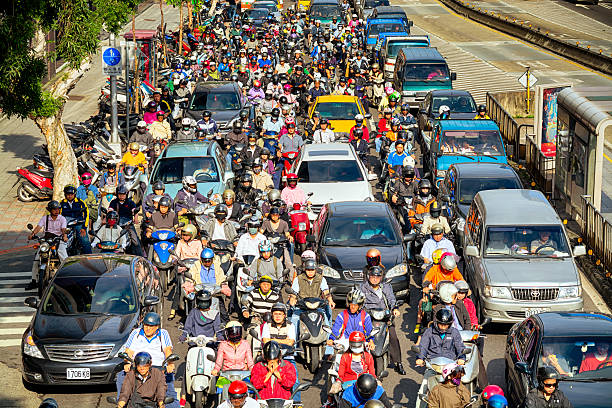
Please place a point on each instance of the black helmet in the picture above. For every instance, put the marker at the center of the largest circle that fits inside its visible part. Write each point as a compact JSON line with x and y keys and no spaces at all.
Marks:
{"x":152,"y":319}
{"x":233,"y":331}
{"x":444,"y":316}
{"x":165,"y":202}
{"x":283,"y":100}
{"x":482,"y":108}
{"x":435,"y":209}
{"x":271,"y":351}
{"x":121,"y":189}
{"x":265,"y":150}
{"x":275,"y":79}
{"x":310,"y":264}
{"x":237,"y":127}
{"x":408,"y":171}
{"x":275,"y":113}
{"x":246,"y":177}
{"x":547,"y":373}
{"x":358,"y":133}
{"x":53,"y":205}
{"x":142,"y":358}
{"x":203,"y":300}
{"x":366,"y":385}
{"x":279,"y":307}
{"x":221,"y":209}
{"x":70,"y":190}
{"x":158,"y":185}
{"x":244,"y":114}
{"x":424,"y":184}
{"x":206,"y":114}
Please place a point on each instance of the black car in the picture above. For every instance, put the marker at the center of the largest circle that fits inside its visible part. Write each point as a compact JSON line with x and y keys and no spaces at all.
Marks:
{"x":256,"y":16}
{"x":345,"y":231}
{"x":464,"y":180}
{"x":461,"y":104}
{"x":223,"y":99}
{"x":566,"y":341}
{"x":84,"y":318}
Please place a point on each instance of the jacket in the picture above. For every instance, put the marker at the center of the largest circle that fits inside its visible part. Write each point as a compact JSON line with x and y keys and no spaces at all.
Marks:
{"x":190,"y":199}
{"x":160,"y":130}
{"x":448,"y":395}
{"x":228,"y":228}
{"x":372,"y":301}
{"x":436,"y":274}
{"x":429,"y":222}
{"x":263,"y":181}
{"x":198,"y":323}
{"x":309,"y":289}
{"x":359,"y":321}
{"x":78,"y":210}
{"x":352,"y":399}
{"x":434,"y":345}
{"x":153,"y":389}
{"x":277,"y":389}
{"x":463,"y":317}
{"x":535,"y":399}
{"x":345,"y":371}
{"x":230,"y":358}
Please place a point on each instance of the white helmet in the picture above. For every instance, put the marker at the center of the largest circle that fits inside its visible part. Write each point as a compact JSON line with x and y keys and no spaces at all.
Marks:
{"x":447,"y":291}
{"x":317,"y":76}
{"x":443,"y":109}
{"x":188,"y":181}
{"x":308,"y":254}
{"x":141,"y":124}
{"x":355,"y":296}
{"x":359,"y":116}
{"x":186,"y":122}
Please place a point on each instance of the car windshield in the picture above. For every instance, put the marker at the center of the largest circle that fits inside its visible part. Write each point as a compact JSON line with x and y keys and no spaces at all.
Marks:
{"x":268,"y":6}
{"x":324,"y":11}
{"x":215,"y":101}
{"x":395,"y":47}
{"x":376,"y":29}
{"x":100,"y":294}
{"x":459,"y":104}
{"x":426,"y":72}
{"x":255,"y":14}
{"x":528,"y":241}
{"x":359,"y":231}
{"x":375,"y":3}
{"x":472,"y":142}
{"x":337,"y":110}
{"x":468,"y":187}
{"x":329,"y":171}
{"x":173,"y":169}
{"x":578,"y":358}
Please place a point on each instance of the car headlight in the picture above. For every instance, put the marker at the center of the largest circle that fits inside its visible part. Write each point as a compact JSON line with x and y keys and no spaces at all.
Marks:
{"x":121,"y":350}
{"x":397,"y":270}
{"x":30,"y":348}
{"x":500,"y":292}
{"x":569,"y":292}
{"x":329,"y":272}
{"x":408,"y":93}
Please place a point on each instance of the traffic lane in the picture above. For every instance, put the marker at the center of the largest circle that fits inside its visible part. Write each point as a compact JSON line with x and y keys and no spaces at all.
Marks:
{"x":601,"y":12}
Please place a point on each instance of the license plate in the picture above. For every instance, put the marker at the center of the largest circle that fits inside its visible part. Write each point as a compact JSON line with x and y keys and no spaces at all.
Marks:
{"x":532,"y":311}
{"x":77,"y":374}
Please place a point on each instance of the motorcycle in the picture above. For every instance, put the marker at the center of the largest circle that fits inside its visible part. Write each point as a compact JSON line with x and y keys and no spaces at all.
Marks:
{"x":231,"y":375}
{"x":300,"y":225}
{"x":159,"y":253}
{"x":49,"y":260}
{"x":288,"y":159}
{"x":279,"y":402}
{"x":381,"y":320}
{"x":36,"y":183}
{"x":134,"y":177}
{"x":199,"y":364}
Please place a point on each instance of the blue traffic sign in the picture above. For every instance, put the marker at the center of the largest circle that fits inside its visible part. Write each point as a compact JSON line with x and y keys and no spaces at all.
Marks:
{"x":111,"y":56}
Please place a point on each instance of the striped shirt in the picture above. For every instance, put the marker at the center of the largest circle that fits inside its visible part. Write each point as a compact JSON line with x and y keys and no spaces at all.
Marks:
{"x":260,"y":303}
{"x":155,"y":346}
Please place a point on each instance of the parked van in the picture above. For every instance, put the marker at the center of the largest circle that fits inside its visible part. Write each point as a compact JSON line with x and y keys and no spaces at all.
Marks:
{"x":518,"y":259}
{"x":418,"y":71}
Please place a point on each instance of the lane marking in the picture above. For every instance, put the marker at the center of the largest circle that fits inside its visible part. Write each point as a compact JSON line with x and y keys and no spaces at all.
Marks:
{"x":16,"y":319}
{"x":10,"y":343}
{"x":13,"y":330}
{"x":12,"y":309}
{"x":605,"y":155}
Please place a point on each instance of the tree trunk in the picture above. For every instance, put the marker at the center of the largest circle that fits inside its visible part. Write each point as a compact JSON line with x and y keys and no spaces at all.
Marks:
{"x":190,"y":12}
{"x":180,"y":44}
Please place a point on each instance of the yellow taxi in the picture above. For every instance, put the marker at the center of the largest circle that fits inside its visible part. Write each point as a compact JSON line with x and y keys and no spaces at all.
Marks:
{"x":303,"y":5}
{"x":340,"y":110}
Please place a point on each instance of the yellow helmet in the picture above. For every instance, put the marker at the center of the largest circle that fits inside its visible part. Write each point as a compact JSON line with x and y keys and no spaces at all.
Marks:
{"x":229,"y":194}
{"x":191,"y":230}
{"x":436,"y":255}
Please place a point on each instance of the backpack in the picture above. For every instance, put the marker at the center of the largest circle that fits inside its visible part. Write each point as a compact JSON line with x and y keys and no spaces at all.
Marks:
{"x":345,"y":317}
{"x":92,"y":204}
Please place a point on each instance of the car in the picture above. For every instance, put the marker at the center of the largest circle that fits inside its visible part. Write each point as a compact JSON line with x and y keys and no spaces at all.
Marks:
{"x":331,"y":171}
{"x":340,"y":110}
{"x":324,"y":11}
{"x":255,"y":16}
{"x":224,"y":100}
{"x":388,"y":46}
{"x":518,"y":260}
{"x":365,"y":8}
{"x":461,"y":104}
{"x":203,"y":160}
{"x":572,"y":338}
{"x":344,"y":231}
{"x":84,"y":318}
{"x":464,"y":180}
{"x":387,"y":11}
{"x":271,"y":6}
{"x":384,"y":25}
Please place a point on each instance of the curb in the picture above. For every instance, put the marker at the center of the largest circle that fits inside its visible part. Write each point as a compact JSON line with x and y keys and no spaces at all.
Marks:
{"x":575,"y":52}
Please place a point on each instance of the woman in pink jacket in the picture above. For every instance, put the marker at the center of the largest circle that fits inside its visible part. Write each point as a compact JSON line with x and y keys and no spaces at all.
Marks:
{"x":233,"y":353}
{"x":292,"y":193}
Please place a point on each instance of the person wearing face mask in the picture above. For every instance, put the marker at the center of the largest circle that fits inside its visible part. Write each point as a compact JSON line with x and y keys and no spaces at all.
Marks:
{"x":187,"y":197}
{"x":218,"y":227}
{"x":186,"y":132}
{"x":245,"y":193}
{"x":450,"y":393}
{"x":262,"y":181}
{"x":252,"y":151}
{"x":237,"y":135}
{"x":142,"y":136}
{"x":248,"y":244}
{"x":111,"y":232}
{"x":292,"y":194}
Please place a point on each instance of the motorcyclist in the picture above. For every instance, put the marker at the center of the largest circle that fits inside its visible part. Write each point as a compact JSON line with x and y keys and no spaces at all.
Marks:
{"x":233,"y":207}
{"x":405,"y":117}
{"x":188,"y":197}
{"x":422,"y":201}
{"x":188,"y":247}
{"x":262,"y":181}
{"x":273,"y":377}
{"x":207,"y":124}
{"x":128,"y":211}
{"x":292,"y":193}
{"x":273,"y":122}
{"x":252,"y":150}
{"x":245,"y":192}
{"x":111,"y":232}
{"x":441,"y":340}
{"x":111,"y":176}
{"x":353,"y":319}
{"x":53,"y":224}
{"x":446,"y":270}
{"x":354,"y":361}
{"x":359,"y":118}
{"x":182,"y":94}
{"x":267,"y":264}
{"x":159,"y":189}
{"x":238,"y":394}
{"x":379,"y":295}
{"x":366,"y":388}
{"x":360,"y":144}
{"x":75,"y":208}
{"x":160,"y":129}
{"x":142,"y":136}
{"x":434,"y":217}
{"x":324,"y":134}
{"x":248,"y":243}
{"x":397,"y":157}
{"x":405,"y":187}
{"x":488,"y":392}
{"x":164,"y":218}
{"x":450,"y":393}
{"x":290,"y":141}
{"x":256,"y":94}
{"x":448,"y":300}
{"x":204,"y":319}
{"x":444,"y":112}
{"x":219,"y":227}
{"x":233,"y":353}
{"x":134,"y":157}
{"x":236,"y":135}
{"x":437,"y":241}
{"x":482,"y":113}
{"x":547,"y":394}
{"x":186,"y":132}
{"x":260,"y":300}
{"x":145,"y":384}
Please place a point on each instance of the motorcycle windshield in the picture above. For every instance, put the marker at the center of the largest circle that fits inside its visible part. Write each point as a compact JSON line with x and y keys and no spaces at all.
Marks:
{"x":162,"y":249}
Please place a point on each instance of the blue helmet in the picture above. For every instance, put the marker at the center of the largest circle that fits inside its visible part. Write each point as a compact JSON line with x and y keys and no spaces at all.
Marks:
{"x":152,"y":319}
{"x":497,"y":401}
{"x":207,"y":253}
{"x":143,"y":358}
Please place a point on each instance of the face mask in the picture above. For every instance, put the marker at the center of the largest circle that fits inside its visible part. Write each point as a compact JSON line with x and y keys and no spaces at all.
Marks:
{"x":186,"y":128}
{"x":456,"y":381}
{"x":220,"y":217}
{"x":251,"y":143}
{"x":252,"y":231}
{"x":257,"y":170}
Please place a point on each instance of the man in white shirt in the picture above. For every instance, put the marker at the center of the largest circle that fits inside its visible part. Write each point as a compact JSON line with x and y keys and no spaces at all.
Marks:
{"x":248,"y":244}
{"x":324,"y":134}
{"x":436,"y":241}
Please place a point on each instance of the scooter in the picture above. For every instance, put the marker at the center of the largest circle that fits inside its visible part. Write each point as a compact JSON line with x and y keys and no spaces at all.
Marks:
{"x":198,"y":367}
{"x":300,"y":226}
{"x":381,"y":319}
{"x":231,"y":376}
{"x":279,"y":402}
{"x":36,"y":183}
{"x":159,"y":254}
{"x":134,"y":180}
{"x":49,"y":261}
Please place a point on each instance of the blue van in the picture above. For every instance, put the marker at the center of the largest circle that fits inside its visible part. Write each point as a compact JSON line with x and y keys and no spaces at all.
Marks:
{"x":419,"y":70}
{"x":463,"y":141}
{"x":384,"y":25}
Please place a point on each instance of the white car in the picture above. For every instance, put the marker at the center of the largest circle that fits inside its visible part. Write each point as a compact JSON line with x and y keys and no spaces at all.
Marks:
{"x":332,"y":172}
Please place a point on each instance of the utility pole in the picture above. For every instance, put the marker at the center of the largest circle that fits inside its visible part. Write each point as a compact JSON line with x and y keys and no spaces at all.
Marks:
{"x":113,"y":100}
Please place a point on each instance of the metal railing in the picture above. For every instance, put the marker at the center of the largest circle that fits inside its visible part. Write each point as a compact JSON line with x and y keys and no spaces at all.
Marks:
{"x":508,"y":127}
{"x":542,"y":168}
{"x":596,"y":232}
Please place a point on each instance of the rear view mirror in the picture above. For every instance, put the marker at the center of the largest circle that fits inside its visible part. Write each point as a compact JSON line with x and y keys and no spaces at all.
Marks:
{"x":372,"y":176}
{"x":445,"y":198}
{"x":172,"y":358}
{"x":471,"y":250}
{"x":254,"y":333}
{"x":30,"y":227}
{"x":409,"y":237}
{"x":383,"y":374}
{"x":150,"y":301}
{"x":112,"y":400}
{"x":168,"y":400}
{"x":374,"y":332}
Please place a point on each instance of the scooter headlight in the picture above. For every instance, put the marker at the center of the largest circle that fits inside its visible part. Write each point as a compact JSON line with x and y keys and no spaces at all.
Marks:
{"x":302,"y":226}
{"x":163,"y":236}
{"x":378,"y":314}
{"x":329,"y":272}
{"x":44,"y":247}
{"x":313,"y":315}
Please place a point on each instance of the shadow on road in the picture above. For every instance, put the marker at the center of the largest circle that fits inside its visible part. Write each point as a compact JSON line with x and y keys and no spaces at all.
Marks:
{"x":19,"y":144}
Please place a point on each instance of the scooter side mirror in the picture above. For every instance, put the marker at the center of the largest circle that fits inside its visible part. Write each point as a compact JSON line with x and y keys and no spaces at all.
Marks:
{"x":399,"y":303}
{"x":304,"y":336}
{"x":212,"y":358}
{"x":188,"y":275}
{"x":383,"y":374}
{"x":172,"y":358}
{"x":327,"y":329}
{"x":168,"y":400}
{"x":244,"y":300}
{"x":302,"y":387}
{"x":290,"y":291}
{"x":30,"y":227}
{"x":375,"y":332}
{"x":150,"y":301}
{"x":254,"y":333}
{"x":252,"y":388}
{"x":486,"y":321}
{"x":124,"y":356}
{"x":112,"y":400}
{"x":466,"y":351}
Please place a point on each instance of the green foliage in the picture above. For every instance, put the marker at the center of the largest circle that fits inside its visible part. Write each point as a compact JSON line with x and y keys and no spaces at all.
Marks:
{"x":174,"y":3}
{"x":78,"y":24}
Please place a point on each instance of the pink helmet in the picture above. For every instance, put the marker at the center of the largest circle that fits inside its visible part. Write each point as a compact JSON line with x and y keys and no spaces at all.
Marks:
{"x":389,"y":90}
{"x":86,"y":178}
{"x":287,"y":87}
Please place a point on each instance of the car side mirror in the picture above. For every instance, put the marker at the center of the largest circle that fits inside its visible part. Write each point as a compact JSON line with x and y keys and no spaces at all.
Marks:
{"x":302,"y":387}
{"x":522,"y":367}
{"x":31,"y":302}
{"x":150,"y":301}
{"x":383,"y":374}
{"x":453,"y":76}
{"x":579,"y":250}
{"x":471,"y":250}
{"x":415,"y":349}
{"x":30,"y":227}
{"x":212,"y":358}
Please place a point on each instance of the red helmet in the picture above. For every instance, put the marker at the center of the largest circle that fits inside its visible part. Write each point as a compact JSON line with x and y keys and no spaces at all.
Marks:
{"x":292,"y":177}
{"x":287,"y":87}
{"x":357,"y":342}
{"x":356,"y":336}
{"x":86,"y":178}
{"x":491,"y":390}
{"x":373,"y":257}
{"x":237,"y":389}
{"x":257,"y":83}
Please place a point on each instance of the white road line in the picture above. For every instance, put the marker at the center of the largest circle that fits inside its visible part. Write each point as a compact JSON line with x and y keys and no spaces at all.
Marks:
{"x":12,"y":330}
{"x":12,"y":275}
{"x":12,"y":299}
{"x":14,"y":282}
{"x":10,"y":342}
{"x":17,"y":290}
{"x":16,"y":319}
{"x":12,"y":309}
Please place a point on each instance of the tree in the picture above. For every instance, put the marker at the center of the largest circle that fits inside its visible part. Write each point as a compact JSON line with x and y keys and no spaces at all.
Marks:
{"x":78,"y":25}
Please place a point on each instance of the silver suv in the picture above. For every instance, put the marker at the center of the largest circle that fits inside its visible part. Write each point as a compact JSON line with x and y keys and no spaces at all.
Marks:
{"x":517,"y":256}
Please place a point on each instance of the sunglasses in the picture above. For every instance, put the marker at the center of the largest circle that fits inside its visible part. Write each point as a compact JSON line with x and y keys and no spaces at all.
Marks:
{"x":550,"y":385}
{"x":207,"y":260}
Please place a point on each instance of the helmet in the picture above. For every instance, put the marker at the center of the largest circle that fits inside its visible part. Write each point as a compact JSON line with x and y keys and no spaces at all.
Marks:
{"x":355,"y":296}
{"x":274,"y":211}
{"x":376,"y":271}
{"x":393,"y":97}
{"x":462,"y":286}
{"x":444,"y":316}
{"x":246,"y":177}
{"x":203,"y":300}
{"x":265,"y":150}
{"x":184,"y":122}
{"x":283,"y":101}
{"x":424,"y":183}
{"x":207,"y":253}
{"x":374,"y":404}
{"x":356,"y":342}
{"x":389,"y":90}
{"x":448,"y":262}
{"x":257,"y":83}
{"x":443,"y":109}
{"x":447,"y":291}
{"x":395,"y":122}
{"x":69,"y":190}
{"x":191,"y":230}
{"x":497,"y":401}
{"x":237,"y":127}
{"x":233,"y":331}
{"x":482,"y":108}
{"x":408,"y":171}
{"x":141,"y":124}
{"x":359,"y":118}
{"x":310,"y":264}
{"x":142,"y":358}
{"x":189,"y":181}
{"x":437,"y":254}
{"x":158,"y":185}
{"x":86,"y":178}
{"x":287,"y":87}
{"x":279,"y":307}
{"x":547,"y":373}
{"x":308,"y":254}
{"x":358,"y":133}
{"x":292,"y":177}
{"x":275,"y":113}
{"x":373,"y":257}
{"x":266,"y":278}
{"x":405,"y":106}
{"x":151,"y":104}
{"x":491,"y":390}
{"x":274,"y":195}
{"x":237,"y":389}
{"x":152,"y":319}
{"x":244,"y":114}
{"x":165,"y":202}
{"x":265,"y":246}
{"x":366,"y":386}
{"x":253,"y":222}
{"x":271,"y":351}
{"x":227,"y":194}
{"x":206,"y":114}
{"x":375,"y":66}
{"x":221,"y":210}
{"x":121,"y":189}
{"x":437,"y":228}
{"x":53,"y":205}
{"x":435,"y":209}
{"x":450,"y":369}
